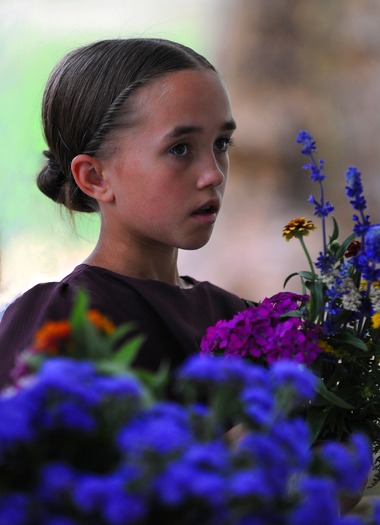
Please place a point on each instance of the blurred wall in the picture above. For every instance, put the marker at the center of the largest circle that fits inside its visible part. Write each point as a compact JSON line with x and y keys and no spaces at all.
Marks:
{"x":291,"y":65}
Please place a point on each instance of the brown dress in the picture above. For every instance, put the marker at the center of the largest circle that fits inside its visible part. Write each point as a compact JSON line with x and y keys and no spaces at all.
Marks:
{"x":173,"y":319}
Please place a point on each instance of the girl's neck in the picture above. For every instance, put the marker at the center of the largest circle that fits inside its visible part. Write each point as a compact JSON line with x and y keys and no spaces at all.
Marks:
{"x":142,"y":263}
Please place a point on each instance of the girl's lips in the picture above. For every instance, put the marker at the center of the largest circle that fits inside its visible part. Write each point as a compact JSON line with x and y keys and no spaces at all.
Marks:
{"x":208,"y":212}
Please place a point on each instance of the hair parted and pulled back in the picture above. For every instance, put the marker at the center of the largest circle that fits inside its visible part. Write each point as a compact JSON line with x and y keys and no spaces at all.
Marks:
{"x":86,"y":97}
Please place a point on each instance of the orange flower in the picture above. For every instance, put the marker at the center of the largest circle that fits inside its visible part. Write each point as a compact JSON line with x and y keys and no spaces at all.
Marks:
{"x":101,"y":322}
{"x":51,"y":335}
{"x":298,"y":228}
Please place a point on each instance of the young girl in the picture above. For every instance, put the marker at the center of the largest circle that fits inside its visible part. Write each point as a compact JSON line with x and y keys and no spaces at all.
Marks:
{"x":138,"y":130}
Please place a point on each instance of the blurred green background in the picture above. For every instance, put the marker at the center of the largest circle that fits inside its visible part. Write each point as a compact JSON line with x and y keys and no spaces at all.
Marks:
{"x":38,"y":240}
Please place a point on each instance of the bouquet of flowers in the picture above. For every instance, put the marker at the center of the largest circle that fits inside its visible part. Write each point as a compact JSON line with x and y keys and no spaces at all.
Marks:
{"x":333,"y":326}
{"x":83,"y":439}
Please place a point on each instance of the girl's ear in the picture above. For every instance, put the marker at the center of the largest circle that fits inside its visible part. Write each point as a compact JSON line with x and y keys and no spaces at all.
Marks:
{"x":88,"y":174}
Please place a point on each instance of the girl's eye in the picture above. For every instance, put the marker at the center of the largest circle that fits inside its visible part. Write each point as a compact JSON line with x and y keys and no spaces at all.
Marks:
{"x":223,"y":144}
{"x":180,"y":150}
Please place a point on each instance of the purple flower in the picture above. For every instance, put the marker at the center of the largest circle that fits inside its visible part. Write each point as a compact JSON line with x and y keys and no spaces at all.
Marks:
{"x":321,"y":209}
{"x":316,"y":174}
{"x":263,"y":332}
{"x":354,"y":188}
{"x":307,"y":141}
{"x":325,"y":262}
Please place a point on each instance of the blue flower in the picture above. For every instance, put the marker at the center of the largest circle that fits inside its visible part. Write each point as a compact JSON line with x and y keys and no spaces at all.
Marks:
{"x":321,"y":210}
{"x":316,"y":174}
{"x":108,"y":496}
{"x":122,"y":508}
{"x":199,"y":473}
{"x":122,"y":386}
{"x":318,"y":504}
{"x":162,"y":430}
{"x":68,"y":413}
{"x":217,"y":371}
{"x":54,"y":373}
{"x":258,"y":404}
{"x":14,"y":509}
{"x":201,"y":369}
{"x":56,"y":481}
{"x":372,"y":243}
{"x":354,"y":188}
{"x":249,"y":483}
{"x":57,"y":520}
{"x":325,"y":262}
{"x":301,"y":380}
{"x":350,"y":464}
{"x":307,"y":141}
{"x":16,"y":419}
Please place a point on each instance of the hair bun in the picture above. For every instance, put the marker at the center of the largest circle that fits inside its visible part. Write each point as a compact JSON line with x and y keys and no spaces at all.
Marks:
{"x":51,"y":179}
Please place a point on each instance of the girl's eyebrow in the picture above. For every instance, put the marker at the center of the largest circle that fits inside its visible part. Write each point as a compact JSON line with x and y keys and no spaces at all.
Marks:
{"x":179,"y":131}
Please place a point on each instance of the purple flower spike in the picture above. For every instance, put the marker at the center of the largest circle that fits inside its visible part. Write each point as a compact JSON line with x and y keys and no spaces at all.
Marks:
{"x":307,"y":141}
{"x":354,"y":188}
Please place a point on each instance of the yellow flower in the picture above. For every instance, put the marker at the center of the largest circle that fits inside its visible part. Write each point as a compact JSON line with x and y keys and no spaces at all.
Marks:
{"x":364,"y":284}
{"x":326,"y":347}
{"x":298,"y":228}
{"x":376,"y":320}
{"x":329,"y":349}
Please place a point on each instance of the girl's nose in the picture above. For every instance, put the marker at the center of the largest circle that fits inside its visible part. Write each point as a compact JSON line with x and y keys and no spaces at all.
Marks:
{"x":213,"y":174}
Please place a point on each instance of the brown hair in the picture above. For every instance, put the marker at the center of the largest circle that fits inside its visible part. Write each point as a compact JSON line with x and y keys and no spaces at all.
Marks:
{"x":83,"y":98}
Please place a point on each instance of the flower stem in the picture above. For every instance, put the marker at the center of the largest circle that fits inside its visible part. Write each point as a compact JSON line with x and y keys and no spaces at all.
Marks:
{"x":306,"y":251}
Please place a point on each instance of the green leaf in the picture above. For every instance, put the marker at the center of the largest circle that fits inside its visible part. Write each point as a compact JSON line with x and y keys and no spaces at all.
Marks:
{"x":345,"y":244}
{"x":303,"y":275}
{"x":307,"y":275}
{"x":316,"y":420}
{"x":289,"y":277}
{"x":291,"y":313}
{"x":129,"y":350}
{"x":316,"y":304}
{"x":80,"y":307}
{"x":350,"y":339}
{"x":331,"y":397}
{"x":157,"y":382}
{"x":335,"y":234}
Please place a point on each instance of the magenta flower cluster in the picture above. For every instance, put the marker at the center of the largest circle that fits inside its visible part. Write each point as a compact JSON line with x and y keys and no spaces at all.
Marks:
{"x":266,"y":332}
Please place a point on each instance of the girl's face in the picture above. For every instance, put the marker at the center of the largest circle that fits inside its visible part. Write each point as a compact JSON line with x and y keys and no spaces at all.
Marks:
{"x":168,"y":171}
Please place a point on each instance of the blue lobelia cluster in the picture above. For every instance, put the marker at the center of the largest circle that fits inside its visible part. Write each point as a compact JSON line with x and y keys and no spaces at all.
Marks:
{"x":99,"y":448}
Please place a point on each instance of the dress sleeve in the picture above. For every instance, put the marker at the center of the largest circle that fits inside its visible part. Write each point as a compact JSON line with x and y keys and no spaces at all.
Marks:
{"x":22,"y":319}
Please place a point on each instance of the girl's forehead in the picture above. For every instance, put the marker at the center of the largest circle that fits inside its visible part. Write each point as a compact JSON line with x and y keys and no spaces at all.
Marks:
{"x":194,"y":89}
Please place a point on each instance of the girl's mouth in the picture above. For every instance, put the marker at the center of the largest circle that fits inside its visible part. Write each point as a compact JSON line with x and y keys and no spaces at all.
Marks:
{"x":207,"y":213}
